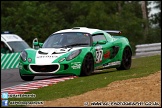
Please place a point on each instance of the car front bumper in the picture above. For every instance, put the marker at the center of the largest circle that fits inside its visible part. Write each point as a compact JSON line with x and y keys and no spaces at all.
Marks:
{"x":50,"y":69}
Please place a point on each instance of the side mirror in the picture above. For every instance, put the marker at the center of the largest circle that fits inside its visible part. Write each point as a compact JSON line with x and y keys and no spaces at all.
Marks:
{"x":36,"y":44}
{"x":99,"y":42}
{"x":40,"y":45}
{"x":11,"y":51}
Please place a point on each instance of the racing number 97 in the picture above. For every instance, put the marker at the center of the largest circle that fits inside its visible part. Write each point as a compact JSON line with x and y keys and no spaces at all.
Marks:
{"x":99,"y":54}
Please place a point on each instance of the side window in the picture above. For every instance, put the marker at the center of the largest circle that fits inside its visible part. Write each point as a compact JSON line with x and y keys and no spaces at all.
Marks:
{"x":98,"y":37}
{"x":4,"y":48}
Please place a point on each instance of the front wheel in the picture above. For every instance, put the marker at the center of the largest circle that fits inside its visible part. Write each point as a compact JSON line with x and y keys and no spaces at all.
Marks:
{"x":87,"y":65}
{"x":126,"y":59}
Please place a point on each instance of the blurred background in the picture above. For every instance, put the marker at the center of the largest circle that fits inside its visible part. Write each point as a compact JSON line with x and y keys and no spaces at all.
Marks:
{"x":139,"y":21}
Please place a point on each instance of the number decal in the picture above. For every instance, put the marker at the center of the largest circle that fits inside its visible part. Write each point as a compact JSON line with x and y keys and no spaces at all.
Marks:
{"x":99,"y":54}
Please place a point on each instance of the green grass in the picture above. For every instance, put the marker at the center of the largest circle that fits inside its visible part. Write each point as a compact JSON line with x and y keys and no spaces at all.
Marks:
{"x":140,"y":67}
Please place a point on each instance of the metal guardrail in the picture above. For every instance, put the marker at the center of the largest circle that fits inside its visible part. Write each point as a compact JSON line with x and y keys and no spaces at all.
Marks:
{"x":148,"y":49}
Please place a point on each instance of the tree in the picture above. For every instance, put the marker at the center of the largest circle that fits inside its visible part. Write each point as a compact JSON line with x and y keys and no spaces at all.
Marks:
{"x":145,"y":17}
{"x":156,"y":17}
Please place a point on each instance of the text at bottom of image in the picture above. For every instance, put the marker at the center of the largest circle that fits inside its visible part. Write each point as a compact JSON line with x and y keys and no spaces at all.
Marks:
{"x":100,"y":103}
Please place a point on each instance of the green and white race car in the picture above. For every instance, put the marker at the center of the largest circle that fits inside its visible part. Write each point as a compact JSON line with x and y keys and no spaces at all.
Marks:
{"x":77,"y":51}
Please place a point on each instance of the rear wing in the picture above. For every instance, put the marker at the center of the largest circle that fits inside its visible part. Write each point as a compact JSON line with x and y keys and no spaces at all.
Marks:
{"x":113,"y":31}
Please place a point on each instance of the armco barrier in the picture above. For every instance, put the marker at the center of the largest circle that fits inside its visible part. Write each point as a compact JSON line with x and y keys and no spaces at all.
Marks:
{"x":9,"y":61}
{"x":148,"y":49}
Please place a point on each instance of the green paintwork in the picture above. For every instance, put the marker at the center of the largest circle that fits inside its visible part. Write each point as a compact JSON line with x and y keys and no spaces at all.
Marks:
{"x":105,"y":48}
{"x":10,"y":60}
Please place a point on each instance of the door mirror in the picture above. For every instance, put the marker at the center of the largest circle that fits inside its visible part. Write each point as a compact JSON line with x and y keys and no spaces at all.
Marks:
{"x":36,"y":44}
{"x":99,"y":42}
{"x":11,"y":51}
{"x":40,"y":45}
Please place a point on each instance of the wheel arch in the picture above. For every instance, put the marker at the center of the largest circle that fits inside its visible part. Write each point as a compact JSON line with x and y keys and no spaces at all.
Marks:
{"x":82,"y":73}
{"x":122,"y":50}
{"x":129,"y":48}
{"x":90,"y":54}
{"x":123,"y":65}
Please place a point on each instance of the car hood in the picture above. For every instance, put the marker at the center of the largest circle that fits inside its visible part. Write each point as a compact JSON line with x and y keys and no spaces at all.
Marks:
{"x":48,"y":55}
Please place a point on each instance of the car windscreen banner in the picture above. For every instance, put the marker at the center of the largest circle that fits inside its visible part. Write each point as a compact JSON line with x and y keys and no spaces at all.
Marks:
{"x":9,"y":61}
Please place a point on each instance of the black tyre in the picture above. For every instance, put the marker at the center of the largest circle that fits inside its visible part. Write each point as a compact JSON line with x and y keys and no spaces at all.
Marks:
{"x":87,"y":65}
{"x":27,"y":78}
{"x":126,"y":59}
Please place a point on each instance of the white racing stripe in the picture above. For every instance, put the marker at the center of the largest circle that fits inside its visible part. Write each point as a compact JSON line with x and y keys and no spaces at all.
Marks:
{"x":15,"y":61}
{"x":4,"y":60}
{"x":41,"y":59}
{"x":2,"y":56}
{"x":7,"y":60}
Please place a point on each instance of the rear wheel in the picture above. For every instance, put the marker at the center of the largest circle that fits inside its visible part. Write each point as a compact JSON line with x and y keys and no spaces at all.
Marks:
{"x":27,"y":78}
{"x":126,"y":59}
{"x":87,"y":65}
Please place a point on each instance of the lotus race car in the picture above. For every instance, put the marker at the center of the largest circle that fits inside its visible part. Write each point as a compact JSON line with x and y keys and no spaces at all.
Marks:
{"x":77,"y":51}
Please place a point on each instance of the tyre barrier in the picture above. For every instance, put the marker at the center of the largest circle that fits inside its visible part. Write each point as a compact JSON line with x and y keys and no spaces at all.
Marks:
{"x":10,"y":61}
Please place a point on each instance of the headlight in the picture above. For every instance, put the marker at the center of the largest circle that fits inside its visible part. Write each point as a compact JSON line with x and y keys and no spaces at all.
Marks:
{"x":73,"y":54}
{"x":23,"y":55}
{"x":61,"y":60}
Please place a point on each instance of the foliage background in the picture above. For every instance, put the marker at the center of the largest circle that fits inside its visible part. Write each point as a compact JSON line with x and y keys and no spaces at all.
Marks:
{"x":31,"y":19}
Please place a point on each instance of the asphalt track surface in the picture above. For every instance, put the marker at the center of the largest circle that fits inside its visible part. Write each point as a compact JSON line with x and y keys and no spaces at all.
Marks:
{"x":11,"y":77}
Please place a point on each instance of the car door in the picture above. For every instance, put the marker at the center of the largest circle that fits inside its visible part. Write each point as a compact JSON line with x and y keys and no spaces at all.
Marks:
{"x":102,"y":51}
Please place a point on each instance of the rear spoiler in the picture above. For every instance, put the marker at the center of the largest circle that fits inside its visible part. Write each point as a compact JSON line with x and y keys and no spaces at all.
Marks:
{"x":113,"y":31}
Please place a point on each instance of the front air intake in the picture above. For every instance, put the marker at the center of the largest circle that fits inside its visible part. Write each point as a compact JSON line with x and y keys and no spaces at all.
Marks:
{"x":44,"y":68}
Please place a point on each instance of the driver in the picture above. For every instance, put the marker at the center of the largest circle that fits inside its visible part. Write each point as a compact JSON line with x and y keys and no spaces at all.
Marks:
{"x":3,"y":48}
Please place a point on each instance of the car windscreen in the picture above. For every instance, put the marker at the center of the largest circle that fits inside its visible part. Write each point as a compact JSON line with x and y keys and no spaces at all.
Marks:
{"x":18,"y":46}
{"x":67,"y":39}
